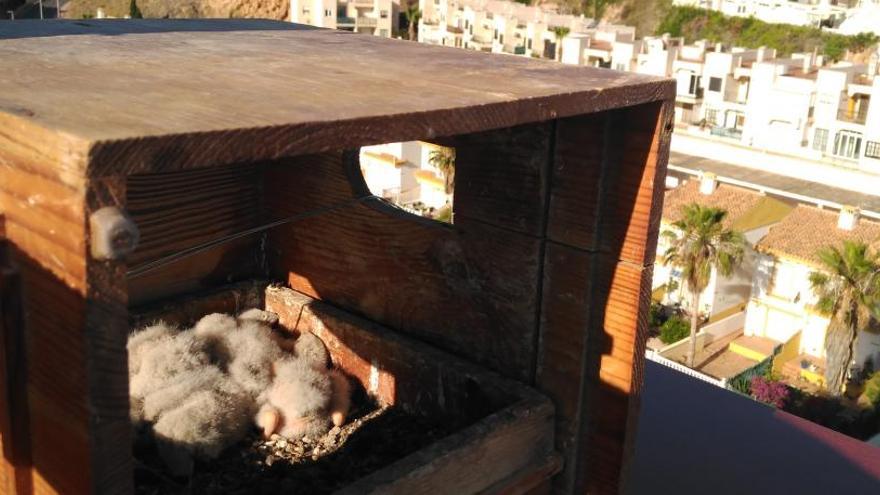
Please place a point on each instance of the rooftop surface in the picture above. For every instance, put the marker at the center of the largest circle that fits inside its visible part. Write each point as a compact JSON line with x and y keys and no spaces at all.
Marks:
{"x":774,"y":181}
{"x":746,"y":209}
{"x":807,"y":230}
{"x":262,"y":89}
{"x":694,"y":438}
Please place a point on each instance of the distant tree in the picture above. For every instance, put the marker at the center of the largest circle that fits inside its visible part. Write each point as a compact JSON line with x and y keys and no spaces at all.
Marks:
{"x":849,"y":292}
{"x":699,"y":243}
{"x":561,"y":32}
{"x":413,"y":14}
{"x":444,"y":160}
{"x":133,"y":11}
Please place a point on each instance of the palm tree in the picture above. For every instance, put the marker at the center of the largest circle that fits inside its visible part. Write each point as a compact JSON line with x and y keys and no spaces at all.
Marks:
{"x":849,"y":291}
{"x":444,"y":160}
{"x":133,"y":11}
{"x":699,"y":243}
{"x":560,"y":32}
{"x":413,"y":14}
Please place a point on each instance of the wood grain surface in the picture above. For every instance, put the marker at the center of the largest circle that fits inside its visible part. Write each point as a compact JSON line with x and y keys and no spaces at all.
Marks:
{"x":203,"y":93}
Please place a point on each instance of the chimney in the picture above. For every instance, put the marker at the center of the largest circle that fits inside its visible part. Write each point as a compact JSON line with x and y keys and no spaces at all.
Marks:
{"x":848,"y":218}
{"x":719,"y":47}
{"x":762,"y":52}
{"x":708,"y":183}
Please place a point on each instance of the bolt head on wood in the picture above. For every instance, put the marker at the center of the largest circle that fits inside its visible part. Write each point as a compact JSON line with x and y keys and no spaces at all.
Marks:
{"x":113,"y":234}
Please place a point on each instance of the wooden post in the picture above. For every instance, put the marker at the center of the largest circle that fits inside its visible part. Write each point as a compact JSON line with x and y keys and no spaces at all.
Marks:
{"x":605,"y":200}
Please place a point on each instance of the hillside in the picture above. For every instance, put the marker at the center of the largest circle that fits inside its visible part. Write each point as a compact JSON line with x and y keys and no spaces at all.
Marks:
{"x":694,"y":24}
{"x":265,"y":9}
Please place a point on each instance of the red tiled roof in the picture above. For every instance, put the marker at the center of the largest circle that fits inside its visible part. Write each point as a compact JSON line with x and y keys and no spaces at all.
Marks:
{"x":806,"y":230}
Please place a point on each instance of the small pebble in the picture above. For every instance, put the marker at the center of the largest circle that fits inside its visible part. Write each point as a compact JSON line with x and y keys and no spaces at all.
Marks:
{"x":270,"y":459}
{"x":281,"y":443}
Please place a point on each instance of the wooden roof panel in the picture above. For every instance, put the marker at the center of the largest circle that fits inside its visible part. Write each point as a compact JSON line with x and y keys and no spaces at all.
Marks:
{"x":262,"y":89}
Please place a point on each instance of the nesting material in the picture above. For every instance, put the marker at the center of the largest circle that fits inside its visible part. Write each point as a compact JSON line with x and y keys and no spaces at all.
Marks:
{"x":374,"y":438}
{"x":199,"y":390}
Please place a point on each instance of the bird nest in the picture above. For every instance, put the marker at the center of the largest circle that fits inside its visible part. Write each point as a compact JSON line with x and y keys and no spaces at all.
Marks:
{"x":374,"y":437}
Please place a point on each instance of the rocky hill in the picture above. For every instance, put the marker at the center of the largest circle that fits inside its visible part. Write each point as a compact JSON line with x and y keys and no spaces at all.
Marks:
{"x":263,"y":9}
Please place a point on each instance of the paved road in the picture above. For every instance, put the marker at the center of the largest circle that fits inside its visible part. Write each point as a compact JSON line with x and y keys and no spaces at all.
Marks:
{"x":776,"y":181}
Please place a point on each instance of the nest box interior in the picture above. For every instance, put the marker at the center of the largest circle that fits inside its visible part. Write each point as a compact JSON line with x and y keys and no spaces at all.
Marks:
{"x":231,"y":147}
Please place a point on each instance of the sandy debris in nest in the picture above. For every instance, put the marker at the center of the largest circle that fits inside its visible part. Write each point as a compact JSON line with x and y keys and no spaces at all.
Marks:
{"x":374,"y":438}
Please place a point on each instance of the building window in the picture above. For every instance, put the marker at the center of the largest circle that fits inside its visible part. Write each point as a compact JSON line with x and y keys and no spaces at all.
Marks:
{"x":715,"y":84}
{"x":328,"y":13}
{"x":872,"y":149}
{"x":711,"y":116}
{"x":847,"y":144}
{"x":496,"y":34}
{"x":501,"y":39}
{"x":384,"y":14}
{"x":529,"y":44}
{"x":820,"y":139}
{"x":620,"y":67}
{"x":694,"y":84}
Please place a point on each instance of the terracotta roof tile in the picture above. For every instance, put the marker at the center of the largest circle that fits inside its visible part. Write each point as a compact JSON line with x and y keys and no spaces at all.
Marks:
{"x":806,"y":230}
{"x":736,"y":200}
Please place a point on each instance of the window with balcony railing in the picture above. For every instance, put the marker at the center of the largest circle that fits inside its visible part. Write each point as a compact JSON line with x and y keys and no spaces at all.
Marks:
{"x":857,"y":116}
{"x":847,"y":144}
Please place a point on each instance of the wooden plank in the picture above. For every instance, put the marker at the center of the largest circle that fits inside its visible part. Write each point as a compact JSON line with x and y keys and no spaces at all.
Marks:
{"x":605,"y":191}
{"x":15,"y":475}
{"x":106,"y":323}
{"x":470,"y":289}
{"x":605,"y":200}
{"x":562,"y":360}
{"x":45,"y":231}
{"x":393,"y":369}
{"x":501,"y":177}
{"x":243,"y":92}
{"x":175,"y":211}
{"x":529,"y":481}
{"x":579,"y":150}
{"x":472,"y":459}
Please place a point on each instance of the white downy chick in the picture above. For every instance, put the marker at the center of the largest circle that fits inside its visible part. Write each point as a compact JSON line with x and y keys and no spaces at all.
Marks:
{"x":253,"y":351}
{"x":158,"y":361}
{"x":167,"y":358}
{"x":138,"y":344}
{"x":242,"y":346}
{"x":213,"y":329}
{"x":205,"y":423}
{"x":258,"y":315}
{"x":310,"y":348}
{"x":340,"y":401}
{"x":297,"y":402}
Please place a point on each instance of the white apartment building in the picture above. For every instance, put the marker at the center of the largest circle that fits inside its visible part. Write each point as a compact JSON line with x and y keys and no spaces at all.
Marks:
{"x":814,"y":13}
{"x":782,"y":303}
{"x":748,"y":211}
{"x":402,"y":173}
{"x":375,"y":17}
{"x":499,"y":26}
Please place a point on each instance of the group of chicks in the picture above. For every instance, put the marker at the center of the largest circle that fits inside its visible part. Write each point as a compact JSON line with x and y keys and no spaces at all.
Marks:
{"x":201,"y":389}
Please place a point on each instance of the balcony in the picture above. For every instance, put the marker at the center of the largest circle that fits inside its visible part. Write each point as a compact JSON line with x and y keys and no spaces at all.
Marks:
{"x":343,"y":21}
{"x":853,"y":116}
{"x":367,"y":22}
{"x":727,"y":132}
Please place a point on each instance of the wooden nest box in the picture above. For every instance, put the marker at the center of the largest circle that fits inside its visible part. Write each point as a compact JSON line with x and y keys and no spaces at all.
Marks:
{"x":157,"y":167}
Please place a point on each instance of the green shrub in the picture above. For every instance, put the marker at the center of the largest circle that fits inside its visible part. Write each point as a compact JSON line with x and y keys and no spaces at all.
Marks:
{"x":674,"y":329}
{"x":871,"y":396}
{"x":694,"y":23}
{"x":656,"y":315}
